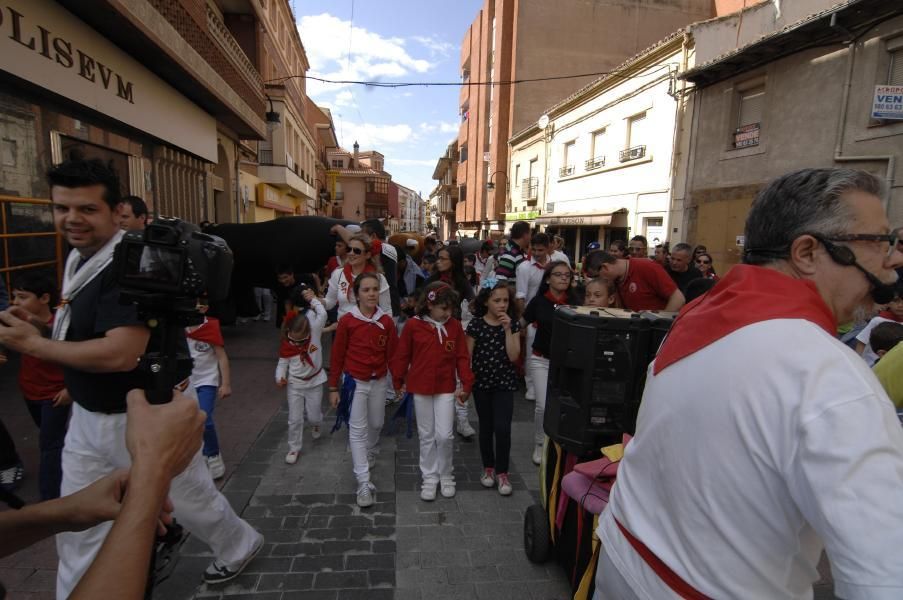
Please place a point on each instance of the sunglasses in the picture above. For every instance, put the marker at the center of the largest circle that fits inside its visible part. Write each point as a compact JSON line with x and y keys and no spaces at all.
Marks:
{"x":356,"y":250}
{"x":295,"y":342}
{"x":703,"y":262}
{"x":892,"y":239}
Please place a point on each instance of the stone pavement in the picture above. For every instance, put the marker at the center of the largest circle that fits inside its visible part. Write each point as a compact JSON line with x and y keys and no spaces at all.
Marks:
{"x":319,"y":544}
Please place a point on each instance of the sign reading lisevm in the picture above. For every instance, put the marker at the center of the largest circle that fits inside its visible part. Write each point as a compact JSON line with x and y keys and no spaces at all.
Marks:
{"x":888,"y":102}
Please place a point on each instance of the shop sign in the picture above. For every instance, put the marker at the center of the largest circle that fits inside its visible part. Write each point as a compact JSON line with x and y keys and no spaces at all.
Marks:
{"x":44,"y":44}
{"x":522,"y":216}
{"x":747,"y":136}
{"x":888,"y":102}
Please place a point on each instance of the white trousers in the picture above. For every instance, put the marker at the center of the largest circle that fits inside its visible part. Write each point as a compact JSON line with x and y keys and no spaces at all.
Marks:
{"x":94,"y":447}
{"x":300,"y":399}
{"x":538,"y":367}
{"x":610,"y":584}
{"x":528,"y":376}
{"x":368,"y":412}
{"x":264,"y":297}
{"x":435,"y":427}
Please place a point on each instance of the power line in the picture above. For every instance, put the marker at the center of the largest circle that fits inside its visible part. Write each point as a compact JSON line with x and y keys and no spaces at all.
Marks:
{"x":400,"y":84}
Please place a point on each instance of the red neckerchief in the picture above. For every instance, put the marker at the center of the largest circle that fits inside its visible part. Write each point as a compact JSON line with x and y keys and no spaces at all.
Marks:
{"x":556,"y":300}
{"x":209,"y":332}
{"x":889,"y":315}
{"x":744,"y":296}
{"x":349,"y":276}
{"x":288,"y":349}
{"x":445,"y":277}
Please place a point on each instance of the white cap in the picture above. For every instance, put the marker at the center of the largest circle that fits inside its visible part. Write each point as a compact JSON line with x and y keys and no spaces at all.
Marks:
{"x":353,"y":228}
{"x":411,"y":243}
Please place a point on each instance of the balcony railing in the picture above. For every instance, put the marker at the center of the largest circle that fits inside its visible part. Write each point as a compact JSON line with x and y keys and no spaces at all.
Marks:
{"x":265,"y":157}
{"x":530,"y":188}
{"x":566,"y":170}
{"x":634,"y":153}
{"x":219,"y":32}
{"x":595,"y":163}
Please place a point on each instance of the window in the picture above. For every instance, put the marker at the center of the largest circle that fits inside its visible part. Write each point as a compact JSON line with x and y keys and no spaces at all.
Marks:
{"x":636,"y":126}
{"x":895,"y":73}
{"x":337,"y":163}
{"x":463,"y":153}
{"x":567,"y":158}
{"x":517,"y":175}
{"x":752,"y":101}
{"x":597,"y":150}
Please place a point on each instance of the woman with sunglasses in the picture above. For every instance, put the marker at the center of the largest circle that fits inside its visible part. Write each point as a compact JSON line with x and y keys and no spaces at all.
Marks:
{"x":704,"y":266}
{"x":554,"y":291}
{"x":360,"y":259}
{"x":300,"y":370}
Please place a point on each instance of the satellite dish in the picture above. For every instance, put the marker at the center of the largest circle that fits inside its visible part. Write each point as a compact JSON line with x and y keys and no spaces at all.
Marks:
{"x":543,"y":122}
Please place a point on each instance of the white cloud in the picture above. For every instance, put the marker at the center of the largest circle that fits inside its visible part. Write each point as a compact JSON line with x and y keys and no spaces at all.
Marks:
{"x":326,"y":40}
{"x":371,"y":136}
{"x":344,"y":98}
{"x":436,"y":46}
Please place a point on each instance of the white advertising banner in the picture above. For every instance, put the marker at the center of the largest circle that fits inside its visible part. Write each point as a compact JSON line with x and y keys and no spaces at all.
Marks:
{"x":44,"y":44}
{"x":888,"y":102}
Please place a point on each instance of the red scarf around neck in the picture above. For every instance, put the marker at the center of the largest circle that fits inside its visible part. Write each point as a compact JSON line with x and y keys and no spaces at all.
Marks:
{"x":556,"y":300}
{"x":349,"y":276}
{"x":889,"y":315}
{"x":746,"y":295}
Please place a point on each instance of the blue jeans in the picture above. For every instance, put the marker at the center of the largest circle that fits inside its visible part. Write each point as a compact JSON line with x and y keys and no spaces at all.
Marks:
{"x":52,"y":421}
{"x":207,"y":402}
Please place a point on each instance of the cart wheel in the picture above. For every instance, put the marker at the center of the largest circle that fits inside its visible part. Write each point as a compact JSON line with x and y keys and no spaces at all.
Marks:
{"x":536,"y":534}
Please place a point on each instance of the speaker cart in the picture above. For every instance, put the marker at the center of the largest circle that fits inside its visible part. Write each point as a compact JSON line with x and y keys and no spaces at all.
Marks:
{"x":597,"y":371}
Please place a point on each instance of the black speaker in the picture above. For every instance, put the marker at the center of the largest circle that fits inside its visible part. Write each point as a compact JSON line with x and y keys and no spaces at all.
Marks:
{"x":597,"y":370}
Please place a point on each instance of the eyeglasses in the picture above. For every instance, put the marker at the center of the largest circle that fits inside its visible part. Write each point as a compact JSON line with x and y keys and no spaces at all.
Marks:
{"x":356,"y":250}
{"x":703,"y":262}
{"x":892,"y":238}
{"x":561,"y":275}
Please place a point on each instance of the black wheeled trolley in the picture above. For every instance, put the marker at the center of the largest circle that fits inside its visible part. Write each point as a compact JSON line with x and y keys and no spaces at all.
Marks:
{"x":597,"y":371}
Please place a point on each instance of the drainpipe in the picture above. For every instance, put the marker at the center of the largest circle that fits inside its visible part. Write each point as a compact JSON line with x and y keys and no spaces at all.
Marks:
{"x":839,"y":157}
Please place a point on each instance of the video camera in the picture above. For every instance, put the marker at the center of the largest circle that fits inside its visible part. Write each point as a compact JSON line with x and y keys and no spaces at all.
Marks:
{"x":163,"y":270}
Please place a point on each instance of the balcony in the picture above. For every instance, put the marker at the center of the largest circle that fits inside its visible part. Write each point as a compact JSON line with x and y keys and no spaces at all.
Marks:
{"x":566,"y":170}
{"x":633,"y":153}
{"x":530,"y":189}
{"x":376,"y":199}
{"x":283,"y":176}
{"x":230,"y":47}
{"x":595,"y":163}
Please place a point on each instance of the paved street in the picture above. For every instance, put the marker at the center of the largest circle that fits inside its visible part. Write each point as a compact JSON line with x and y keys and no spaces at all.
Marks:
{"x":319,"y":544}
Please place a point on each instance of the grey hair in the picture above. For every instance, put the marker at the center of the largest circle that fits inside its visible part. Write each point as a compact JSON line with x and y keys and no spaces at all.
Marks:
{"x":801,"y":202}
{"x":682,"y":247}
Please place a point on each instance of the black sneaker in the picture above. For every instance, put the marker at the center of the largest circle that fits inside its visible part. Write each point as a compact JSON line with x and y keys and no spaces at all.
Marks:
{"x":10,"y":478}
{"x":218,"y":572}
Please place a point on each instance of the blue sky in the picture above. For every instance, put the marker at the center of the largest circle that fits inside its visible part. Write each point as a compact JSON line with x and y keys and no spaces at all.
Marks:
{"x":391,"y":40}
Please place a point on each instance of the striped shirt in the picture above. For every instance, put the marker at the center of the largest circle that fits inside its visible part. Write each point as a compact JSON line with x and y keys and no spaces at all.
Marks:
{"x":508,"y":262}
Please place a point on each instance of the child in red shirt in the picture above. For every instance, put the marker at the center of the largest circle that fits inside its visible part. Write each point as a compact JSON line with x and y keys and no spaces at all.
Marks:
{"x":364,"y":341}
{"x":42,"y":382}
{"x":431,"y":353}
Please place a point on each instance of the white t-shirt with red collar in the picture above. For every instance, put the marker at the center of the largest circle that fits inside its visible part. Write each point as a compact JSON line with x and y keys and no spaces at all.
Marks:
{"x":201,"y":343}
{"x":529,"y":278}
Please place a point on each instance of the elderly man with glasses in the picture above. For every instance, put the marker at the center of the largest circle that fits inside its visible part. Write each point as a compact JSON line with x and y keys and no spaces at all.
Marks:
{"x":762,"y":439}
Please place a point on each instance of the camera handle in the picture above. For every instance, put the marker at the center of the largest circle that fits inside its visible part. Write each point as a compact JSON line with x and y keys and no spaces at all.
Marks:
{"x":162,"y":369}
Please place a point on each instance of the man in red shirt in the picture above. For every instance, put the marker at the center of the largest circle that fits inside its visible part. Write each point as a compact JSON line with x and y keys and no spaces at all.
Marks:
{"x":642,"y":284}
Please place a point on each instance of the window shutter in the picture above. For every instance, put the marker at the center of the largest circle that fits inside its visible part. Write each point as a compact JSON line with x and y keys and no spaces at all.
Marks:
{"x":752,"y":103}
{"x":896,"y":68}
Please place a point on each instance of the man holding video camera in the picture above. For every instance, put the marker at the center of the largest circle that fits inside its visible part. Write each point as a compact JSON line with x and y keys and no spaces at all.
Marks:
{"x":99,"y":341}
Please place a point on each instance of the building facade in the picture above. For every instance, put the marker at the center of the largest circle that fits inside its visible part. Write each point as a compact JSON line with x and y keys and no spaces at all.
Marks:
{"x":533,"y":39}
{"x":446,"y":192}
{"x":801,"y":95}
{"x":410,"y":210}
{"x":601,"y":168}
{"x":358,"y":184}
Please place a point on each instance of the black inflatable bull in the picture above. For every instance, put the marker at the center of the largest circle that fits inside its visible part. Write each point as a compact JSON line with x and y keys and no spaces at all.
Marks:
{"x":305,"y":243}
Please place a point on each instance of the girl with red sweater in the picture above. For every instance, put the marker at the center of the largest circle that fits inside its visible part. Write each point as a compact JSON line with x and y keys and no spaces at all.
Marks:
{"x":432,"y":354}
{"x":364,"y":341}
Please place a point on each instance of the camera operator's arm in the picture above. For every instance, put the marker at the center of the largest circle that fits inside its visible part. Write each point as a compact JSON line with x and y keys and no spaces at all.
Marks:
{"x":161,"y":440}
{"x":118,"y":350}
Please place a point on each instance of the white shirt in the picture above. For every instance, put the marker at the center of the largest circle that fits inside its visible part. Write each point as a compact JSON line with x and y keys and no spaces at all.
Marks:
{"x":868,"y":355}
{"x":299,"y":372}
{"x":205,"y":370}
{"x":559,"y":255}
{"x":529,"y":276}
{"x":341,"y":292}
{"x":753,"y":454}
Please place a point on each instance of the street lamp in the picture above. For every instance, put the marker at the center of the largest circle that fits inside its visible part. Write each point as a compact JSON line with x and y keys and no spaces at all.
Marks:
{"x":490,"y":185}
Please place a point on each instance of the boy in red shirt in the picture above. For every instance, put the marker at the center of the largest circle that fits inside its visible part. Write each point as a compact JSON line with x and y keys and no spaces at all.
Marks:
{"x":42,"y":382}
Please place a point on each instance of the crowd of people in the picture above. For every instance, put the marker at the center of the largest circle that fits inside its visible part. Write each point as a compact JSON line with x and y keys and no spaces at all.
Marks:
{"x":427,"y":324}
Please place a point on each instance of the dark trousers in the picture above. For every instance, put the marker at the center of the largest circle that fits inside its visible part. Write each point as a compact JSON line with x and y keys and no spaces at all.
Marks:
{"x":495,"y":409}
{"x":52,"y":422}
{"x":8,"y":455}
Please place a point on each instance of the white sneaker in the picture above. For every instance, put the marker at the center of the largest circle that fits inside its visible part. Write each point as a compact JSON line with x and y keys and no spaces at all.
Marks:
{"x":464,"y":428}
{"x":447,"y":489}
{"x":291,"y":458}
{"x":216,"y":466}
{"x":428,"y":492}
{"x":537,"y":455}
{"x":315,"y":432}
{"x":365,"y":495}
{"x":488,"y":478}
{"x":505,"y":488}
{"x":530,"y":394}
